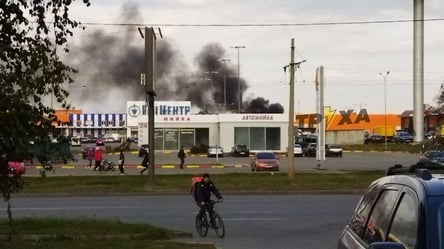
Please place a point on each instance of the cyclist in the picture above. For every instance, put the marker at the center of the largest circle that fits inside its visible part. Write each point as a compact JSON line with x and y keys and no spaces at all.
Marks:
{"x":202,"y":195}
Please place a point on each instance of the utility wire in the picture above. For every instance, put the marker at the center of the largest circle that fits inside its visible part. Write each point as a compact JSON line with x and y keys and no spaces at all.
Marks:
{"x":261,"y":24}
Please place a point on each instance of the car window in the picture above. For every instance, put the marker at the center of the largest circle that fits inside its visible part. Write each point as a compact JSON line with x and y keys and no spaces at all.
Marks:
{"x":405,"y":221}
{"x":379,"y":220}
{"x":265,"y":156}
{"x":360,"y":217}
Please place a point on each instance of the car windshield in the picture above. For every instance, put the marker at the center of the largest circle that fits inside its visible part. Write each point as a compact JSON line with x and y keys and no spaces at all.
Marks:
{"x":242,"y":147}
{"x":335,"y":146}
{"x":436,"y":154}
{"x":265,"y":156}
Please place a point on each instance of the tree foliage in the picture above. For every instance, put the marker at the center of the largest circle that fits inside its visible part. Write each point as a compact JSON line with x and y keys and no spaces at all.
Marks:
{"x":32,"y":33}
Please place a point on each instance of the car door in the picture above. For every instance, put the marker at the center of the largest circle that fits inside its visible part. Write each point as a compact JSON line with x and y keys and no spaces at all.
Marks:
{"x":371,"y":220}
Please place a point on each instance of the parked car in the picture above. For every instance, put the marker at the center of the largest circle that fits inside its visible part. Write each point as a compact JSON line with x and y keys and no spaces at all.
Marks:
{"x":215,"y":150}
{"x":264,"y":161}
{"x":310,"y":150}
{"x":431,"y":159}
{"x":402,"y":137}
{"x":85,"y":151}
{"x":84,"y":140}
{"x":297,"y":150}
{"x":333,"y":150}
{"x":100,"y":141}
{"x":240,"y":150}
{"x":401,"y":210}
{"x":374,"y":139}
{"x":109,"y":140}
{"x":143,"y":150}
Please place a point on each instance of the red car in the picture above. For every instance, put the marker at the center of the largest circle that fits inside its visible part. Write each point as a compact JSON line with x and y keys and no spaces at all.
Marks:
{"x":264,"y":161}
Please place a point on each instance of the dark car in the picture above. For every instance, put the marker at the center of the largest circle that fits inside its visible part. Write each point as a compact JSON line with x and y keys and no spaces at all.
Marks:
{"x":404,"y":209}
{"x":333,"y":150}
{"x":310,"y":150}
{"x":374,"y":139}
{"x":264,"y":161}
{"x":240,"y":150}
{"x":85,"y":151}
{"x":143,"y":149}
{"x":403,"y":137}
{"x":431,"y":159}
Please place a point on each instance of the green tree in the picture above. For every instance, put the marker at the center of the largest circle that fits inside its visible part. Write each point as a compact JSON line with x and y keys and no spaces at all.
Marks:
{"x":32,"y":34}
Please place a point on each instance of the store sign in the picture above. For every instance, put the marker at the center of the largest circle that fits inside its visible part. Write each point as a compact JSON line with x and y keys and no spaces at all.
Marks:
{"x":257,"y":117}
{"x":166,"y":110}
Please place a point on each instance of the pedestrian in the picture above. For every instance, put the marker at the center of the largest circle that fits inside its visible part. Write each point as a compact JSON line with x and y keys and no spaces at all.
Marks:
{"x":121,"y":161}
{"x":90,"y":157}
{"x":145,"y":162}
{"x":181,"y":155}
{"x":98,"y":158}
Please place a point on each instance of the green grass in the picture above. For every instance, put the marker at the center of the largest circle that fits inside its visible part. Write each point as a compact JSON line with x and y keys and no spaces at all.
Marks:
{"x":57,"y":233}
{"x":180,"y":184}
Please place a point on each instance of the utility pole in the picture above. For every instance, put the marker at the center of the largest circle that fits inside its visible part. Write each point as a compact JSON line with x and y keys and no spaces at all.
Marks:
{"x":320,"y":127}
{"x":239,"y":93}
{"x":150,"y":87}
{"x":290,"y":147}
{"x":225,"y":81}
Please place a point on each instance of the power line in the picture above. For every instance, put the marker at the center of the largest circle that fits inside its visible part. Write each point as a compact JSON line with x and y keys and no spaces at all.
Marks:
{"x":261,"y":24}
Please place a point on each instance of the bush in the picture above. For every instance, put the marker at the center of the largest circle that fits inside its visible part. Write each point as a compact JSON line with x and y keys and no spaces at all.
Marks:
{"x":198,"y":149}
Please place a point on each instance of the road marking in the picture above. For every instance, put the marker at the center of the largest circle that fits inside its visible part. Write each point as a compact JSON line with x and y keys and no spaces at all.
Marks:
{"x":72,"y":208}
{"x":254,"y":219}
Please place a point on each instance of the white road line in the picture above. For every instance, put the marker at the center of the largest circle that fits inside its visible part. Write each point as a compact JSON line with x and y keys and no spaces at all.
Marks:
{"x":69,"y":208}
{"x":253,"y":219}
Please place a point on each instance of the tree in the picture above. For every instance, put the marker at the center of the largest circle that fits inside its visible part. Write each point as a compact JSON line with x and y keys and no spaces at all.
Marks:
{"x":32,"y":33}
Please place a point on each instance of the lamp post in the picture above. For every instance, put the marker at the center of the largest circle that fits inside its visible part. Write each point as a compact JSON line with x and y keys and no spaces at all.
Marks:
{"x":212,"y":73}
{"x":225,"y":81}
{"x":384,"y":76}
{"x":238,"y":81}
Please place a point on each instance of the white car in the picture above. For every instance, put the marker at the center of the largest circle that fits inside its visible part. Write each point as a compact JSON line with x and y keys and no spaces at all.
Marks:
{"x":297,"y":150}
{"x":215,"y":150}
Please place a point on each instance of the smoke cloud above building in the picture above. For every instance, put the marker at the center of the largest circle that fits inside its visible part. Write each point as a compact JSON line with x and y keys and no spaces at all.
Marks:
{"x":110,"y":64}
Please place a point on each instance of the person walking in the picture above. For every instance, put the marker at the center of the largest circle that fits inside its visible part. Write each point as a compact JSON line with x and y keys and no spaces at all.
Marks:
{"x":90,"y":157}
{"x":181,"y":155}
{"x":121,"y":161}
{"x":98,"y":158}
{"x":145,"y":162}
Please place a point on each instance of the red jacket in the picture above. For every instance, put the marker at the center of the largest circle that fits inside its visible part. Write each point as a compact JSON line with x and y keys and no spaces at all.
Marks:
{"x":98,"y":155}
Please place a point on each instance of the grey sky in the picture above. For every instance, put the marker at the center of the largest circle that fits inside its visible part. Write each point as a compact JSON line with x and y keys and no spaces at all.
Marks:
{"x":353,"y":55}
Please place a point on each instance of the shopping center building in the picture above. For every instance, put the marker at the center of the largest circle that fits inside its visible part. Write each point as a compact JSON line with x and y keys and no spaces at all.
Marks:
{"x":177,"y":124}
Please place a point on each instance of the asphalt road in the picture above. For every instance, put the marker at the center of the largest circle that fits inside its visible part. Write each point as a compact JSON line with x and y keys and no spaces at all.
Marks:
{"x":167,"y":163}
{"x":260,"y":222}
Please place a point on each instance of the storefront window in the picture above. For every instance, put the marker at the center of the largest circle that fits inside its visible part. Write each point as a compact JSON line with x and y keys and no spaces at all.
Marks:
{"x":257,"y":138}
{"x":171,"y":139}
{"x":202,"y":136}
{"x":241,"y":136}
{"x":273,"y":140}
{"x":187,"y":138}
{"x":158,"y":138}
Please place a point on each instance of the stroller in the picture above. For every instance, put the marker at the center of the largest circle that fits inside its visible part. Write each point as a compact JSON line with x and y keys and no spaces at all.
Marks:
{"x":108,"y":165}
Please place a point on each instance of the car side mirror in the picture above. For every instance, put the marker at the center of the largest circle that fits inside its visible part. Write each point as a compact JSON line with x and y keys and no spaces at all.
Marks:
{"x":386,"y":245}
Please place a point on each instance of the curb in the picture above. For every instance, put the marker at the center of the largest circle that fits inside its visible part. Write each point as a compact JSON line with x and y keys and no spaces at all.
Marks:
{"x":157,"y":166}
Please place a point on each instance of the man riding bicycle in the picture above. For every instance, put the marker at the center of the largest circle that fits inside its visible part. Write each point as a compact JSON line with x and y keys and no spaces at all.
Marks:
{"x":202,"y":194}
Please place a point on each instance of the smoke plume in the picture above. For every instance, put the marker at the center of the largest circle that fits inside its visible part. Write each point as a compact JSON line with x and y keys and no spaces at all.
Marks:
{"x":110,"y":64}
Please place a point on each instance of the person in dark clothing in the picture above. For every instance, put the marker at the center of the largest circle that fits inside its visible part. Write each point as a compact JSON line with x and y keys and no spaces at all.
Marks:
{"x":181,"y":154}
{"x":121,"y":161}
{"x":145,"y":162}
{"x":203,"y":189}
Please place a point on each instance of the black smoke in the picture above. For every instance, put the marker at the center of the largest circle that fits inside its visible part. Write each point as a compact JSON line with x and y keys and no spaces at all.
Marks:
{"x":110,"y":64}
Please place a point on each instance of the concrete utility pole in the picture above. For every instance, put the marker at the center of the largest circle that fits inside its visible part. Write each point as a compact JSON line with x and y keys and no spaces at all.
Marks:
{"x":320,"y":127}
{"x":418,"y":70}
{"x":239,"y":92}
{"x":290,"y":147}
{"x":384,"y":76}
{"x":150,"y":76}
{"x":225,"y":81}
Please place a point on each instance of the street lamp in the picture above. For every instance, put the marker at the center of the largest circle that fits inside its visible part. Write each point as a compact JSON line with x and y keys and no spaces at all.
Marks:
{"x":238,"y":81}
{"x":384,"y":76}
{"x":225,"y":81}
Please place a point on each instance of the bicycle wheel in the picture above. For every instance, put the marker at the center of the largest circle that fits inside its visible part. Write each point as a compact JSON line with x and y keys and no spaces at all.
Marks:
{"x":201,"y":225}
{"x":218,"y":225}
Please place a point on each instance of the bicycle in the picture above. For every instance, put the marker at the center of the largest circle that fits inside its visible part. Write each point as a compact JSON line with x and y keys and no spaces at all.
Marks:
{"x":204,"y":222}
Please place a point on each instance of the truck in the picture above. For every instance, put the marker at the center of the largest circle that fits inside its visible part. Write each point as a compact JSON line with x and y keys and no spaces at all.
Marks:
{"x":385,"y":131}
